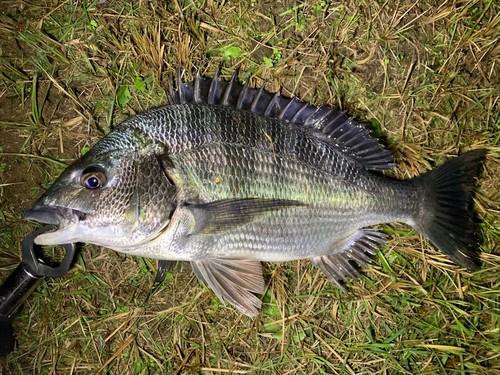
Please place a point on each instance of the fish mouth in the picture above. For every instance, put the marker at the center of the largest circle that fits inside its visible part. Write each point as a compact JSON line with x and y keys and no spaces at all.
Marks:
{"x":67,"y":221}
{"x":55,"y":215}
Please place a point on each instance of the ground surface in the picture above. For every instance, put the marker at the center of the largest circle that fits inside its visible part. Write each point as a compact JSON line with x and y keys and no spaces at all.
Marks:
{"x":423,"y":75}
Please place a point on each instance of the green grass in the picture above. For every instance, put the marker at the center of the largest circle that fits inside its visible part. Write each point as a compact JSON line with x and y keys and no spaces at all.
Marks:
{"x":424,"y":76}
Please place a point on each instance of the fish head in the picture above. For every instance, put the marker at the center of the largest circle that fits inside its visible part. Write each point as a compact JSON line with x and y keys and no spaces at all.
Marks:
{"x":115,"y":198}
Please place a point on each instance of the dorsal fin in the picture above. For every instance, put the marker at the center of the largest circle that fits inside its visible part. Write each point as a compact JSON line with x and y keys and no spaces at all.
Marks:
{"x":343,"y":133}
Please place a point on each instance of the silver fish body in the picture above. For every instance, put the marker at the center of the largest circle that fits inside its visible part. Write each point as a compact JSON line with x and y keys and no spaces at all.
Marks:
{"x":233,"y":155}
{"x":228,"y":176}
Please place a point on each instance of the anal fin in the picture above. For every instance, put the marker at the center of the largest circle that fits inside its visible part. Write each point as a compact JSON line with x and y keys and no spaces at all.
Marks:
{"x":336,"y":266}
{"x":234,"y":279}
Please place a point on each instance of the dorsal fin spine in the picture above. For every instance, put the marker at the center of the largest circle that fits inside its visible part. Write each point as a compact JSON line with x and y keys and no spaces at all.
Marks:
{"x":331,"y":122}
{"x":256,"y":99}
{"x":317,"y":121}
{"x":283,"y":111}
{"x":364,"y":151}
{"x":197,"y":97}
{"x":225,"y":99}
{"x":243,"y":93}
{"x":296,"y":116}
{"x":213,"y":87}
{"x":345,"y":134}
{"x":271,"y":104}
{"x":182,"y":97}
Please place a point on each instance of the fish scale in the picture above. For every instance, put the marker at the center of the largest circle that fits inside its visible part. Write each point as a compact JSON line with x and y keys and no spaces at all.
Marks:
{"x":227,"y":176}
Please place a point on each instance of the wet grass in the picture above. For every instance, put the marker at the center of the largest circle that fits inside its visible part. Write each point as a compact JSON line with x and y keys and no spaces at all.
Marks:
{"x":424,"y":76}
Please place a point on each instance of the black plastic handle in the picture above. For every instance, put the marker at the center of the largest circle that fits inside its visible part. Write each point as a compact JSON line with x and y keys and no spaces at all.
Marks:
{"x":23,"y":281}
{"x":14,"y":291}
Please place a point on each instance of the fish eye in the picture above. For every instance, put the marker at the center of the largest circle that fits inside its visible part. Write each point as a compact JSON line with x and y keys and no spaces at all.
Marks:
{"x":93,"y":178}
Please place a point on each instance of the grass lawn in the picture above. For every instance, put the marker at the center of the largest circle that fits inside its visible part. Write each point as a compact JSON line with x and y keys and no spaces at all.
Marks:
{"x":424,"y":76}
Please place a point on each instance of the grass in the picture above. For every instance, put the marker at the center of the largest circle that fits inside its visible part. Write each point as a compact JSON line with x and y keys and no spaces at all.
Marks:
{"x":423,"y":75}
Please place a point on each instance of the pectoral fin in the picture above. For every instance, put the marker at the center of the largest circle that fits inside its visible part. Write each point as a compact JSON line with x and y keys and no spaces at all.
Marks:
{"x":224,"y":215}
{"x":233,"y":279}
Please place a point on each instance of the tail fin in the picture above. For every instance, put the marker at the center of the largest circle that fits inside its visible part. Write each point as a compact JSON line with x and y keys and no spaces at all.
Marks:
{"x":446,"y":214}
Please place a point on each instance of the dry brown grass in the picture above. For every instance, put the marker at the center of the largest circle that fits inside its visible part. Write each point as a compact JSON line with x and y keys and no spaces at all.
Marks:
{"x":423,"y":75}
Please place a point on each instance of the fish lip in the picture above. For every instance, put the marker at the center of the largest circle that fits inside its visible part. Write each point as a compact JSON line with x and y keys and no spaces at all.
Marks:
{"x":55,"y":215}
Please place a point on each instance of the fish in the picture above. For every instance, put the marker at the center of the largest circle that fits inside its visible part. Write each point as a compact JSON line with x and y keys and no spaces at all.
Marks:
{"x":226,"y":176}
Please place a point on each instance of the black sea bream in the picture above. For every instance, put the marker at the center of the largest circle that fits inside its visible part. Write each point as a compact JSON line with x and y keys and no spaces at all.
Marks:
{"x":227,"y":176}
